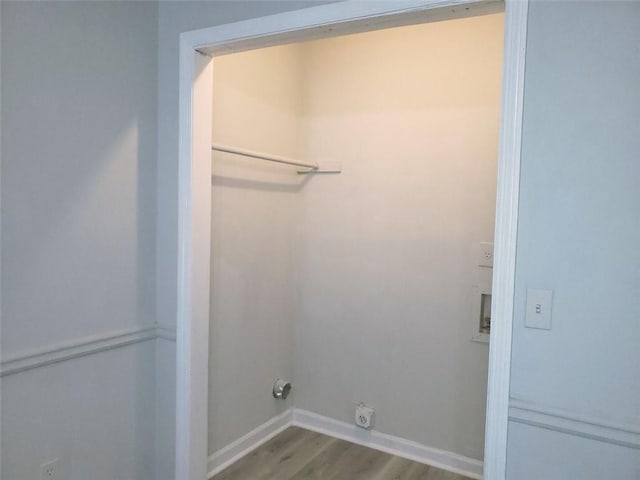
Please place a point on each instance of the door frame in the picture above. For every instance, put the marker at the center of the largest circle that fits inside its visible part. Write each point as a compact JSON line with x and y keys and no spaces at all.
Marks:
{"x":194,"y":213}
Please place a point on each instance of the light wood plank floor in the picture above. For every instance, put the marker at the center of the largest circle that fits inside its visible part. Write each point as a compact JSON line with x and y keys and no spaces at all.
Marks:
{"x":298,"y":454}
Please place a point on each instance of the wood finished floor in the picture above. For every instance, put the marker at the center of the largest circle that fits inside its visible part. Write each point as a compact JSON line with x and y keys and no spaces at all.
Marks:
{"x":298,"y":454}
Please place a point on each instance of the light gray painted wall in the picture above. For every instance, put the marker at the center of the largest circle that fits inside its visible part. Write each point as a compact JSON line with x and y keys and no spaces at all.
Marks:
{"x":536,"y":453}
{"x":579,"y":232}
{"x":78,"y":224}
{"x":92,"y":413}
{"x":386,"y":249}
{"x":78,"y":170}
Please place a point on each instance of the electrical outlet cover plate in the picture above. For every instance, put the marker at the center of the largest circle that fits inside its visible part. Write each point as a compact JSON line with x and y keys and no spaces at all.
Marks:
{"x":48,"y":470}
{"x":364,"y":416}
{"x":485,"y":254}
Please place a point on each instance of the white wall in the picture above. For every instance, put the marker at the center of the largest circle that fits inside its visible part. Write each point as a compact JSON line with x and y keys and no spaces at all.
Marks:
{"x":579,"y":232}
{"x":386,"y":248}
{"x":256,"y":105}
{"x":78,"y":223}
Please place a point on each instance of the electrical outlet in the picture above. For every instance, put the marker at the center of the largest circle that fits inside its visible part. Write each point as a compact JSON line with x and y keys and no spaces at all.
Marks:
{"x":364,"y":416}
{"x":48,"y":470}
{"x":485,"y":254}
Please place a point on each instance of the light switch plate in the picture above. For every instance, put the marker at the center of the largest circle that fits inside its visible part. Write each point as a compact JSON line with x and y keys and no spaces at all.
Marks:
{"x":538,"y":313}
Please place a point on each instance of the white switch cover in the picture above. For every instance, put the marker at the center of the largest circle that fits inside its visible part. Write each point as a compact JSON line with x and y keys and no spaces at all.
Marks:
{"x":538,"y":309}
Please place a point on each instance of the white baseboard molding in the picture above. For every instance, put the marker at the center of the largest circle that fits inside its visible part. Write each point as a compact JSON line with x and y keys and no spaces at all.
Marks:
{"x":383,"y":442}
{"x":233,"y":452}
{"x":79,"y":348}
{"x":528,"y":413}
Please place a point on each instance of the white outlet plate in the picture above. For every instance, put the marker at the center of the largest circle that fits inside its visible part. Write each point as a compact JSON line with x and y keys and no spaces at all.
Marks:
{"x":48,"y":471}
{"x":485,"y":254}
{"x":364,"y":416}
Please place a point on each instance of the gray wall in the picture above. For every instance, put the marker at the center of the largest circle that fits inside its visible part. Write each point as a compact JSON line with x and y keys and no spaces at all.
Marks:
{"x":579,"y":232}
{"x":78,"y":224}
{"x":78,"y":170}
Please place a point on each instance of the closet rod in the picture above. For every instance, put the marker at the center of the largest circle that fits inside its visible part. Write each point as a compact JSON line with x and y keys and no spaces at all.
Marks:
{"x":262,"y":156}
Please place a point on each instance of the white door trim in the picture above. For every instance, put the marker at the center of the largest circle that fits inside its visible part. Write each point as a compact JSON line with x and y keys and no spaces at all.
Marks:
{"x":506,"y":231}
{"x":196,"y":72}
{"x":194,"y":249}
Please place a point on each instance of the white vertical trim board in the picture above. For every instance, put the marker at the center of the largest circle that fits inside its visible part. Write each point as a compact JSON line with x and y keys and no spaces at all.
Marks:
{"x":194,"y":249}
{"x":383,"y":442}
{"x":233,"y":452}
{"x":194,"y":196}
{"x":504,"y":267}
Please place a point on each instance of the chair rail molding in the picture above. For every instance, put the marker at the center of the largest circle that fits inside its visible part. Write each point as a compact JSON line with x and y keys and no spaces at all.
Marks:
{"x":572,"y":423}
{"x":21,"y":362}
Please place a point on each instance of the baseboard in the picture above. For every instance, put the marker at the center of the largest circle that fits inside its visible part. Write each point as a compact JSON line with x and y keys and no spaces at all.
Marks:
{"x":233,"y":452}
{"x":400,"y":447}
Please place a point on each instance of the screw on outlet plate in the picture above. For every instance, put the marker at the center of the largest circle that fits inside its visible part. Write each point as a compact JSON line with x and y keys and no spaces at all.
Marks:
{"x":48,"y":470}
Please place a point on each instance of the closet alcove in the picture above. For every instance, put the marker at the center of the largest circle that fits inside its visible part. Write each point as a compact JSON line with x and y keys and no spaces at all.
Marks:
{"x":361,"y":281}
